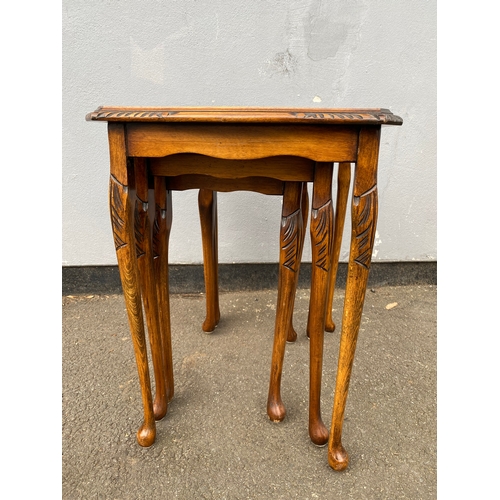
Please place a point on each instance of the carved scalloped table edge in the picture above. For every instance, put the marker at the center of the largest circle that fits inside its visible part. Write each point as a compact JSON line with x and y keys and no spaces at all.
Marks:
{"x":370,"y":116}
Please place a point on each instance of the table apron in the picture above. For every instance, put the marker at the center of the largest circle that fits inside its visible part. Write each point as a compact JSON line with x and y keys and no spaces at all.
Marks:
{"x":284,"y":168}
{"x":334,"y":143}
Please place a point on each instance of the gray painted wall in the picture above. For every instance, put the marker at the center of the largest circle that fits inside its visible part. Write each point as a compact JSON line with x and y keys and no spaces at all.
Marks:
{"x":302,"y":53}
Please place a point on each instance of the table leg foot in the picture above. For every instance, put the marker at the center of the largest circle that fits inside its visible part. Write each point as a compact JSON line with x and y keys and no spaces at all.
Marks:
{"x":146,"y":435}
{"x":276,"y":411}
{"x":338,"y":458}
{"x":291,"y":336}
{"x":318,"y":433}
{"x":329,"y":325}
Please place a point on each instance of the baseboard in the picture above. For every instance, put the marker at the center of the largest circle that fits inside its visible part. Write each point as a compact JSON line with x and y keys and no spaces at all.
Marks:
{"x":234,"y":277}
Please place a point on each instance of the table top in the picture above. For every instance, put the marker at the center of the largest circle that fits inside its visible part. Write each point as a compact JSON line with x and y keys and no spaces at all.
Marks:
{"x":364,"y":116}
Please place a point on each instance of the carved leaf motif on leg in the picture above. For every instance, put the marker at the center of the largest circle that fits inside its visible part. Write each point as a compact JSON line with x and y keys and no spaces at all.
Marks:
{"x":319,"y":225}
{"x":123,"y":235}
{"x":322,"y":242}
{"x":141,"y":213}
{"x":364,"y":220}
{"x":117,"y":200}
{"x":290,"y":244}
{"x":291,"y":240}
{"x":365,"y":215}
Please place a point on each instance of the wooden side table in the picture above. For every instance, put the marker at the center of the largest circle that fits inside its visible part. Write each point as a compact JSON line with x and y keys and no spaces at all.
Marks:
{"x":268,"y":150}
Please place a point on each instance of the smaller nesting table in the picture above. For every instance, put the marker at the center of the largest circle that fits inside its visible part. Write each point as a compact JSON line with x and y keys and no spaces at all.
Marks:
{"x":267,"y":150}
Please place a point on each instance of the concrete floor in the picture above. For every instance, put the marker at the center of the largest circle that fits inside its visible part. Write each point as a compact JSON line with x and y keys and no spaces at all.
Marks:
{"x":216,"y":441}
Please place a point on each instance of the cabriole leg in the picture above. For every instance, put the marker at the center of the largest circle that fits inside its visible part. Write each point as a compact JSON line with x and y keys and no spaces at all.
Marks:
{"x":343,"y":183}
{"x":321,"y":241}
{"x":161,"y":233}
{"x":207,"y":205}
{"x":144,"y":251}
{"x":291,"y":236}
{"x":120,"y":204}
{"x":364,"y":220}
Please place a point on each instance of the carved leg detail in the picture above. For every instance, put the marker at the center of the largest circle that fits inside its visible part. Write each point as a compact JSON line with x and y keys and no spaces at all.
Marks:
{"x":123,"y":232}
{"x":292,"y":333}
{"x":148,"y":286}
{"x":364,"y":219}
{"x":207,"y":204}
{"x":291,"y":237}
{"x":344,"y":180}
{"x":161,"y":233}
{"x":321,"y":240}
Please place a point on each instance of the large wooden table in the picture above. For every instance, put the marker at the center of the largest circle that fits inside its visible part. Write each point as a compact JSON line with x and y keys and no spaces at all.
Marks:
{"x":268,"y":150}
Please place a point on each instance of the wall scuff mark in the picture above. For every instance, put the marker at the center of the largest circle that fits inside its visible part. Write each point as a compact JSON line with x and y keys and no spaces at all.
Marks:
{"x":283,"y":63}
{"x":333,"y":27}
{"x":147,"y":64}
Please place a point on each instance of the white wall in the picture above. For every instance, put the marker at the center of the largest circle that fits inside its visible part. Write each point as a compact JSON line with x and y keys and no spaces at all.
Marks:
{"x":302,"y":53}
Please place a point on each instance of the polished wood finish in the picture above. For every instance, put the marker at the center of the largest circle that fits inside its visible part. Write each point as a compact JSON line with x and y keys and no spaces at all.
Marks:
{"x":224,"y":140}
{"x":357,"y":116}
{"x":292,"y":334}
{"x":272,"y":151}
{"x":121,"y":190}
{"x":161,"y":234}
{"x":364,"y":219}
{"x":207,"y":203}
{"x":343,"y":183}
{"x":284,"y":168}
{"x":291,"y":243}
{"x":144,"y":252}
{"x":322,"y":241}
{"x":262,"y":185}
